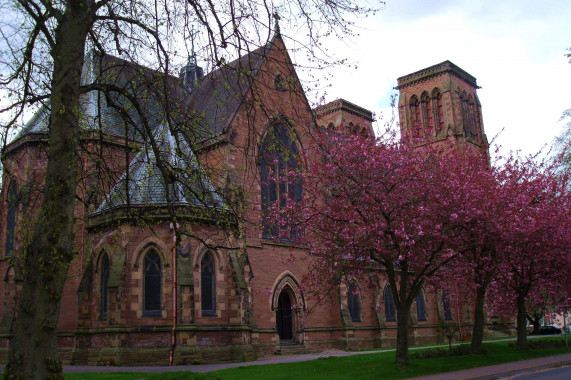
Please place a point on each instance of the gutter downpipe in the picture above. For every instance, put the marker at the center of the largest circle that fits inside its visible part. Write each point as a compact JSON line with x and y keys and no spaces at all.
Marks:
{"x":174,"y":296}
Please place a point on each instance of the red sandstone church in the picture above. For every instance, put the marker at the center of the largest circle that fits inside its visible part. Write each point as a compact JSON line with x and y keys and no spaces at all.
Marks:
{"x":237,"y":290}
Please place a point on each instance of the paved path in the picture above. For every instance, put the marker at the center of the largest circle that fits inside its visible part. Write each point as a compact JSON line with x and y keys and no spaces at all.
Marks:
{"x":505,"y":370}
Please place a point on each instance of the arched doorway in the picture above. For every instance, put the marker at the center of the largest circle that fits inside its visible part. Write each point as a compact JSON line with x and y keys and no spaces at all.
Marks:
{"x":284,"y":320}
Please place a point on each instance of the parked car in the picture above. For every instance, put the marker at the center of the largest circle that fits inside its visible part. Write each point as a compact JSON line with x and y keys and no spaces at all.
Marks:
{"x":546,"y":330}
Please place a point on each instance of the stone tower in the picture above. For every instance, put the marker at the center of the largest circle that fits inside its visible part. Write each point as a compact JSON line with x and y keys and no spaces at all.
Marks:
{"x":345,"y":117}
{"x":439,"y":105}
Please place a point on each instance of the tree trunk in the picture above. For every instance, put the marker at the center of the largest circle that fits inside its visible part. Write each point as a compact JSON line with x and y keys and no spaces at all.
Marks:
{"x":402,"y":334}
{"x":478,"y":331}
{"x":521,"y":343}
{"x":403,"y":310}
{"x":536,"y":325}
{"x":33,"y":349}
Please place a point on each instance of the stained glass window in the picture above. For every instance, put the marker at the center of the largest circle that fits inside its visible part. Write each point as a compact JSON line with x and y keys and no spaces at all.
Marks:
{"x":390,"y":315}
{"x":103,"y":284}
{"x":278,"y":165}
{"x":353,"y":304}
{"x":152,"y":284}
{"x":208,"y":285}
{"x":11,"y":218}
{"x":420,"y":307}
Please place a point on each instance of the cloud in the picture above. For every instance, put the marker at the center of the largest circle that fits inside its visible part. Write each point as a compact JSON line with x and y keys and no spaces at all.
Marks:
{"x":514,"y":48}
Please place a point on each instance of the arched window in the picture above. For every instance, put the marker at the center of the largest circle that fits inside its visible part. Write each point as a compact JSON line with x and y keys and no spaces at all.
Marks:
{"x":331,"y":126}
{"x":471,"y":128}
{"x":415,"y":123}
{"x":353,"y":304}
{"x":208,"y":285}
{"x":278,"y":170}
{"x":103,"y":285}
{"x":420,"y":307}
{"x":425,"y":107}
{"x":464,"y":108}
{"x":437,"y":111}
{"x":11,"y":218}
{"x":152,"y":284}
{"x":446,"y":306}
{"x":390,"y":315}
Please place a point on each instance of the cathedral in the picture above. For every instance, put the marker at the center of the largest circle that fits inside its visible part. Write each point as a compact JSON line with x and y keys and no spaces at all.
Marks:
{"x":183,"y":270}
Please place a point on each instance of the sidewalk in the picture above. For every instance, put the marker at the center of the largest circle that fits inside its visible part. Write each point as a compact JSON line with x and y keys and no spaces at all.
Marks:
{"x":503,"y":370}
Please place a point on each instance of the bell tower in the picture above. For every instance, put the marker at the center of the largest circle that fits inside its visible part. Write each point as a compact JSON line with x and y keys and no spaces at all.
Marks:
{"x":439,"y":105}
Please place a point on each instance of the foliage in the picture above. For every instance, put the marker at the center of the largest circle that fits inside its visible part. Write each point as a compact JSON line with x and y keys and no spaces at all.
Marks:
{"x":381,"y":209}
{"x":562,"y":144}
{"x":44,"y":56}
{"x":448,"y":330}
{"x":534,"y":246}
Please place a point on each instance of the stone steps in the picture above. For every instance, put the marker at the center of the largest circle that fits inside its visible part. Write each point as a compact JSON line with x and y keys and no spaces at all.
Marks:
{"x":291,"y":349}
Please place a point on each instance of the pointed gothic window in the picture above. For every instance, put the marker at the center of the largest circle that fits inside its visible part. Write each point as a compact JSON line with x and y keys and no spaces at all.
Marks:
{"x":472,"y":126}
{"x":103,"y":284}
{"x":426,"y":113}
{"x":437,"y":111}
{"x":420,"y":307}
{"x":152,"y":284}
{"x":353,"y":304}
{"x":207,"y":286}
{"x":415,"y":123}
{"x":446,"y":306}
{"x":390,"y":315}
{"x":278,"y":167}
{"x":11,"y":218}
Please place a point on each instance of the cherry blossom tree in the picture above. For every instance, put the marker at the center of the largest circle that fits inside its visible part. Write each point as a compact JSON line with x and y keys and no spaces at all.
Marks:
{"x":478,"y":227}
{"x":534,"y":246}
{"x":376,"y":209}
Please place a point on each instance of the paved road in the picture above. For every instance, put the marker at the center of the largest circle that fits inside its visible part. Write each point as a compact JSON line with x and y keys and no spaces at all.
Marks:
{"x":560,"y":373}
{"x":533,"y":368}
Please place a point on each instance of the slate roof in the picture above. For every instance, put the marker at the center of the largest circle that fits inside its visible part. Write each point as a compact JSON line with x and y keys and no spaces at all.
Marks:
{"x":214,"y":103}
{"x":143,"y":183}
{"x":195,"y":115}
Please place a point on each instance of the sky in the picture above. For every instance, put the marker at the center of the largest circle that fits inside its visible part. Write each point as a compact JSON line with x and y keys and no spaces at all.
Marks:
{"x":515,"y":49}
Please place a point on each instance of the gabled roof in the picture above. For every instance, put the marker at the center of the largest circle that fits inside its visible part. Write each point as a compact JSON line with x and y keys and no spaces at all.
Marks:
{"x":213,"y":105}
{"x":194,"y":115}
{"x":203,"y":113}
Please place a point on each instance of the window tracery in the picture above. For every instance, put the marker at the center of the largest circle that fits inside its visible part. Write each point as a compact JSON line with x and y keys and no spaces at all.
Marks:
{"x":279,"y":165}
{"x":426,"y":113}
{"x":437,"y":111}
{"x":415,"y":123}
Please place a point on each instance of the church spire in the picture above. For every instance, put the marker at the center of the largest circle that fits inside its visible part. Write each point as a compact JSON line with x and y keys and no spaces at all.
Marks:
{"x":191,"y":73}
{"x":277,"y":24}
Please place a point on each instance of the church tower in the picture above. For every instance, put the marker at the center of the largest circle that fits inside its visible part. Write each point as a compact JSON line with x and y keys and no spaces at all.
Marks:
{"x":439,"y":105}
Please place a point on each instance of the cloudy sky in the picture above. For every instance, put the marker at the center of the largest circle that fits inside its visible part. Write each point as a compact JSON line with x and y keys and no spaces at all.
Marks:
{"x":515,"y":49}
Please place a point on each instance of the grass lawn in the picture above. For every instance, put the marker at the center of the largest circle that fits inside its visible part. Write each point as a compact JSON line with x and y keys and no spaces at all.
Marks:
{"x":366,"y":366}
{"x":381,"y":365}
